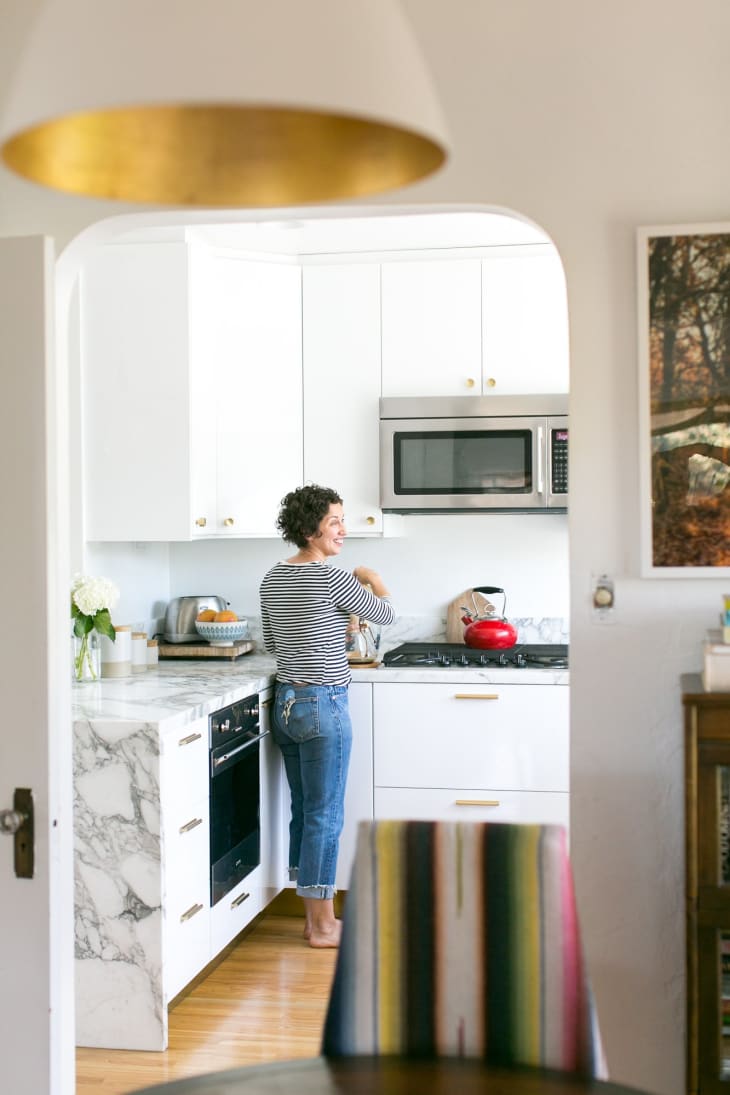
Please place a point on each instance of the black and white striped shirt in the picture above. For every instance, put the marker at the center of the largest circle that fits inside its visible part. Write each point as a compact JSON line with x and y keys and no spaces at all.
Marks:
{"x":304,"y":616}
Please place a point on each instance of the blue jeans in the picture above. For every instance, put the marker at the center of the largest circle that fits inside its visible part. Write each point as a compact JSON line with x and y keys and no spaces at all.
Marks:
{"x":311,"y":725}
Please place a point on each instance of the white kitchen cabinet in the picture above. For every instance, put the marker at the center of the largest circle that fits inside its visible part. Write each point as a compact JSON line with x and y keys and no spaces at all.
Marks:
{"x":472,"y":804}
{"x":184,"y":856}
{"x":525,"y":322}
{"x":274,"y":838}
{"x":341,"y":363}
{"x":477,"y":752}
{"x":431,"y":316}
{"x":191,"y":392}
{"x":359,"y":793}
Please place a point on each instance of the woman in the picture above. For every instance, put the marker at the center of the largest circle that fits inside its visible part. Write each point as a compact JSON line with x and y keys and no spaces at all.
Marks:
{"x":305,"y":605}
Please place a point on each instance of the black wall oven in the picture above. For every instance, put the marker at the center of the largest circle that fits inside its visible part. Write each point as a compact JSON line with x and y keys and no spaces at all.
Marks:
{"x":235,"y":795}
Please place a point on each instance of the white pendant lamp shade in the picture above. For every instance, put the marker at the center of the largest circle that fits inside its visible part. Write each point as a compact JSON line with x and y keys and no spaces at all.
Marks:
{"x":222,"y":102}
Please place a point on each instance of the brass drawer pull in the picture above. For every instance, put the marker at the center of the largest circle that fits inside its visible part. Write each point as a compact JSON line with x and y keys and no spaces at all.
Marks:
{"x":189,"y":739}
{"x":240,"y":900}
{"x":477,"y":802}
{"x":191,"y":825}
{"x":190,"y":913}
{"x":476,"y":696}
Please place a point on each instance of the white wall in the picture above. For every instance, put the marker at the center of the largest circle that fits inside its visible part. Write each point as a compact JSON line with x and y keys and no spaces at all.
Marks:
{"x":591,"y":119}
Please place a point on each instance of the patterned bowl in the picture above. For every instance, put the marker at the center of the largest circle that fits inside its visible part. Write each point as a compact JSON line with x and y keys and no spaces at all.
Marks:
{"x":224,"y":633}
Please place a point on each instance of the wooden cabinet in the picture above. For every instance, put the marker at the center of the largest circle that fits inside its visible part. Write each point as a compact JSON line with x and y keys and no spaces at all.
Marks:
{"x":341,"y":363}
{"x":707,"y":863}
{"x":191,"y":376}
{"x":431,"y":315}
{"x":478,"y":752}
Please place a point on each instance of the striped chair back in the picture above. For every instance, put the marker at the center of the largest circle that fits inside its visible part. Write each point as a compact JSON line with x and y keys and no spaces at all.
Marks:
{"x":462,"y":939}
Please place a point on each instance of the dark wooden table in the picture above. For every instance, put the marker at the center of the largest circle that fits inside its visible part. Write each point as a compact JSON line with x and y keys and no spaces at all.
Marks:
{"x":385,"y":1076}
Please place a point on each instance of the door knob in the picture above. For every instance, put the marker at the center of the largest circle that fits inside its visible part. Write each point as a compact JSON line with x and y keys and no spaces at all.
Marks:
{"x":18,"y":823}
{"x":11,"y":821}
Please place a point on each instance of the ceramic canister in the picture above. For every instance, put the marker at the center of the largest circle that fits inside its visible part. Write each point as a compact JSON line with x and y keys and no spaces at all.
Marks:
{"x":139,"y":651}
{"x":153,"y":653}
{"x":116,"y":657}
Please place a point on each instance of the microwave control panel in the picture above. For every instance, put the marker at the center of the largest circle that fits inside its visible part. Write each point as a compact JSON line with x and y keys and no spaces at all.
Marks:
{"x":559,"y":461}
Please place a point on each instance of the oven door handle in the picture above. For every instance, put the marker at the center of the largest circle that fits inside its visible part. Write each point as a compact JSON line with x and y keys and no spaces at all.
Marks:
{"x":217,"y":761}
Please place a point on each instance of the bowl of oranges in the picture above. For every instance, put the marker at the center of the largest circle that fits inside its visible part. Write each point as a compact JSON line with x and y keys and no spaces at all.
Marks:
{"x":221,"y":628}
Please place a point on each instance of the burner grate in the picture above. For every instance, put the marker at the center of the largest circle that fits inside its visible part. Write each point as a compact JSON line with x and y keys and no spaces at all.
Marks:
{"x":457,"y":656}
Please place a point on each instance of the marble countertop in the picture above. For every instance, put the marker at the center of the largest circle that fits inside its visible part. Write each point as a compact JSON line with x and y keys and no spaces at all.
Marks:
{"x":179,"y":692}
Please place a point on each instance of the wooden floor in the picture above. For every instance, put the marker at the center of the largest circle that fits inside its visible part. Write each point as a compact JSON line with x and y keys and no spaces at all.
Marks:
{"x":266,"y":1001}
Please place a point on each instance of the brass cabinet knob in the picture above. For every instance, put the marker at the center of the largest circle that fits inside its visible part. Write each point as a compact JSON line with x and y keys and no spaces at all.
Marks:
{"x":201,"y":522}
{"x":470,"y":382}
{"x":228,"y":521}
{"x":491,"y":382}
{"x":369,"y":520}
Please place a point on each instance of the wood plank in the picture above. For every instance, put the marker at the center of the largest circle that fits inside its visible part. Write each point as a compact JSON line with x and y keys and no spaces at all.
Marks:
{"x":204,"y":650}
{"x":265,"y":1002}
{"x":454,"y":625}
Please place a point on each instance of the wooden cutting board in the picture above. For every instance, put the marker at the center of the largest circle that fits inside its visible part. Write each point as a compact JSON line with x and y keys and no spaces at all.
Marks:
{"x":454,"y":626}
{"x":204,"y":650}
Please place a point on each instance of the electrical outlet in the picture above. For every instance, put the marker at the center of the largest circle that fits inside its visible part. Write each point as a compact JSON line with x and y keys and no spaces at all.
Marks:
{"x":603,"y":599}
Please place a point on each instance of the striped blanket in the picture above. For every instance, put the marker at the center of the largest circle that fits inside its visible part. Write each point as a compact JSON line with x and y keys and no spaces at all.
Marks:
{"x":462,"y":939}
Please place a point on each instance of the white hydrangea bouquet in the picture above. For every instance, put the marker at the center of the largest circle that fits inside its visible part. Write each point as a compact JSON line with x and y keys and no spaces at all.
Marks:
{"x":92,"y":600}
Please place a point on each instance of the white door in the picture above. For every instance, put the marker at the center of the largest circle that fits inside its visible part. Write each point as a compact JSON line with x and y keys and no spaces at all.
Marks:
{"x":36,"y":924}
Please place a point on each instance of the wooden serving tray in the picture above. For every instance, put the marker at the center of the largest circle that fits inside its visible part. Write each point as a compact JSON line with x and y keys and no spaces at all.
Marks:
{"x":204,"y":650}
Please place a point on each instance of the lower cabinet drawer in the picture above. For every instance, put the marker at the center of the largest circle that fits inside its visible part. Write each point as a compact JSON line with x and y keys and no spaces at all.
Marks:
{"x":233,"y":912}
{"x":186,"y":948}
{"x":445,"y":804}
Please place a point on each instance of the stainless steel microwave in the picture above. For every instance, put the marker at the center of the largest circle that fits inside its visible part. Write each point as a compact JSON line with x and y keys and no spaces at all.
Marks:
{"x":503,"y":454}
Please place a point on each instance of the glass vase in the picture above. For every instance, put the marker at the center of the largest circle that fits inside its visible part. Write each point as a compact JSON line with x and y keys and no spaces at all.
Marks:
{"x":85,"y":657}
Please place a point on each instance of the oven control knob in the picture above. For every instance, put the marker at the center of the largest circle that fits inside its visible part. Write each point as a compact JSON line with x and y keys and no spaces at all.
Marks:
{"x":503,"y":660}
{"x":520,"y":660}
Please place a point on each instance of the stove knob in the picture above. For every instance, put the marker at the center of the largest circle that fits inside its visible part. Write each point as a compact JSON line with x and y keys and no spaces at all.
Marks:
{"x":463,"y":660}
{"x":520,"y":661}
{"x":445,"y":660}
{"x":503,"y":659}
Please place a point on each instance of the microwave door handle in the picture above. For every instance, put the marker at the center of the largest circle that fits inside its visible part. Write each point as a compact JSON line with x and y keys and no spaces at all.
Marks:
{"x":540,"y":460}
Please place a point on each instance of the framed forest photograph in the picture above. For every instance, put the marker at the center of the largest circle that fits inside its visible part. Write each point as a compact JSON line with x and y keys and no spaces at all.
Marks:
{"x":684,"y":399}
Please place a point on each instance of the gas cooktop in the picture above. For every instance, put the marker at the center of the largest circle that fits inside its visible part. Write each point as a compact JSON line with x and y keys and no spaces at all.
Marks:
{"x":458,"y":656}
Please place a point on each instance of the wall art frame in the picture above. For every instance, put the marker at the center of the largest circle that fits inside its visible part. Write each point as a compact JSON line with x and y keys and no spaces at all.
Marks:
{"x":683,"y":280}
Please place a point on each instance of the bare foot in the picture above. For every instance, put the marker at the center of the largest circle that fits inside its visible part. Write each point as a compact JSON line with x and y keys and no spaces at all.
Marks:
{"x":326,"y":936}
{"x":307,"y":931}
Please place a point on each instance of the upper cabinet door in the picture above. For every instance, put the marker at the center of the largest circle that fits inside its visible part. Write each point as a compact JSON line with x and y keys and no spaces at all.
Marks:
{"x":432,"y":327}
{"x":255,"y":325}
{"x":137,"y":395}
{"x":525,"y":322}
{"x":198,"y":355}
{"x":341,"y":351}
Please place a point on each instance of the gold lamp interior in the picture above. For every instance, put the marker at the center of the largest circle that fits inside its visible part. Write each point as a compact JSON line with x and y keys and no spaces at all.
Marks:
{"x":220,"y":155}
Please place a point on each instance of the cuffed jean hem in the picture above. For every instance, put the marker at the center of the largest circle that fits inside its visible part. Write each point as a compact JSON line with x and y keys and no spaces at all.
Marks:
{"x":319,"y":893}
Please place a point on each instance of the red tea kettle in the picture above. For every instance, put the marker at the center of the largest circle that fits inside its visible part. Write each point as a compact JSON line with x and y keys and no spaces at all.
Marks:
{"x":488,"y":632}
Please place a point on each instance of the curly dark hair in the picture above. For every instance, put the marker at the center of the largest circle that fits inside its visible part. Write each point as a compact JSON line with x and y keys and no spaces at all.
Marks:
{"x":302,"y":511}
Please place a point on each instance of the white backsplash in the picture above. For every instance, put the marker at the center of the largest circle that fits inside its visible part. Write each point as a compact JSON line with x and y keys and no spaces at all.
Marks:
{"x":424,"y":629}
{"x":432,"y":562}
